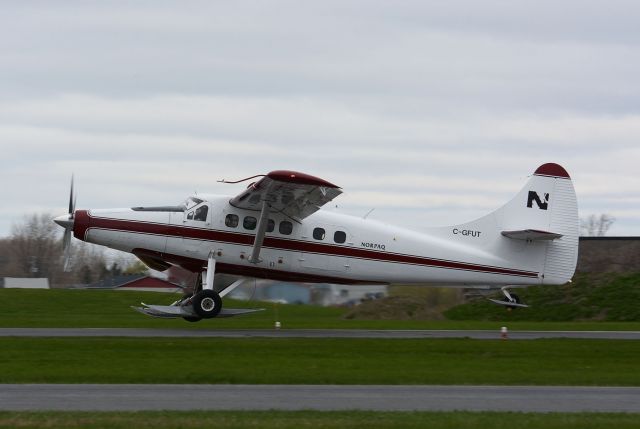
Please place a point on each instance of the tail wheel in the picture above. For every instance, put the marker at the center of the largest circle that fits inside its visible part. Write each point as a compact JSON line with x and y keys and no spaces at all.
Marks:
{"x":514,"y":299}
{"x":207,"y":304}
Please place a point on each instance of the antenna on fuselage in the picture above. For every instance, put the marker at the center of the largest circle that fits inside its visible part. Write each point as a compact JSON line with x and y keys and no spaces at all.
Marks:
{"x":368,"y":213}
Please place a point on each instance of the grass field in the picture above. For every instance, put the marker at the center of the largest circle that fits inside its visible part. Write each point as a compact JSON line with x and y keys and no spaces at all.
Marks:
{"x":319,"y":361}
{"x":99,"y":309}
{"x":315,"y":419}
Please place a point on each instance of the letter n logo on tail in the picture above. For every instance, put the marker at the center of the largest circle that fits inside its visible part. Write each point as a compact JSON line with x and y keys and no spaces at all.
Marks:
{"x":534,"y":197}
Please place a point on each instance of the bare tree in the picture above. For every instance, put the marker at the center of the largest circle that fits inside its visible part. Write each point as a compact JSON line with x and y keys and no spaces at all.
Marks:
{"x":87,"y":264}
{"x":34,"y":249}
{"x":596,"y":225}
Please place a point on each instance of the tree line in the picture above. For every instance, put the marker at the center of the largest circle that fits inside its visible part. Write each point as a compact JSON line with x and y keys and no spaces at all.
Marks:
{"x":34,"y":249}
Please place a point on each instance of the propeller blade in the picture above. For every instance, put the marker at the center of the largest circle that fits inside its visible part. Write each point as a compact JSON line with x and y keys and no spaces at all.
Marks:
{"x":72,"y":200}
{"x":67,"y":250}
{"x":66,"y":238}
{"x":67,"y":223}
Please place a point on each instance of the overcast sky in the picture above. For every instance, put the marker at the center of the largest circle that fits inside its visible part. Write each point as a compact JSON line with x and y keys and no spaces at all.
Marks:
{"x":432,"y":113}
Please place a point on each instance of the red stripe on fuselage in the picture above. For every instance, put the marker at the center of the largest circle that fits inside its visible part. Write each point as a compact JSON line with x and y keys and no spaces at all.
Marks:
{"x":294,"y":245}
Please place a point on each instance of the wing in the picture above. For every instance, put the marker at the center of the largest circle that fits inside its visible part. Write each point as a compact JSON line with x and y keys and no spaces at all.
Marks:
{"x":294,"y":194}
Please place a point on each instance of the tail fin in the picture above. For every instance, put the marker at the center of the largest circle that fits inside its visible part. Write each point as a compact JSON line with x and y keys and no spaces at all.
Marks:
{"x":538,"y":229}
{"x":548,"y":203}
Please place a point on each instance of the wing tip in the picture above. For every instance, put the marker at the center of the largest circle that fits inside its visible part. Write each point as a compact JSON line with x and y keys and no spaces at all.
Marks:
{"x":299,"y":178}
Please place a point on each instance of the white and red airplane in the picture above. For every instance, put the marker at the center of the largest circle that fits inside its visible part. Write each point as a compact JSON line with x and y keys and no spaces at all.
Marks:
{"x":274,"y":230}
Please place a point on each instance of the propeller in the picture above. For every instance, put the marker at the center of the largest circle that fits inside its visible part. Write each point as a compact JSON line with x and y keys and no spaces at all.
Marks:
{"x":66,"y":221}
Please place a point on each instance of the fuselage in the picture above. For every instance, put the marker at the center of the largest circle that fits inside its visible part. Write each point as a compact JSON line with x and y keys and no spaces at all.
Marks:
{"x":324,"y":247}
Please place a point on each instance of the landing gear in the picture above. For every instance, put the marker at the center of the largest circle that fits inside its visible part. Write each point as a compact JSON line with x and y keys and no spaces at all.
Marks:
{"x":510,"y":300}
{"x":204,"y":303}
{"x":515,"y":299}
{"x":207,"y":304}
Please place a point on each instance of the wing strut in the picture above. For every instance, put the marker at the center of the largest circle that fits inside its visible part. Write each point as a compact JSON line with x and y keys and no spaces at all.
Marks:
{"x":260,"y":233}
{"x":207,"y":284}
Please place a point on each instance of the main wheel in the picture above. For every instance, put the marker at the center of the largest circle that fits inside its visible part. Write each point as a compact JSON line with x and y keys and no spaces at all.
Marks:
{"x":207,"y":304}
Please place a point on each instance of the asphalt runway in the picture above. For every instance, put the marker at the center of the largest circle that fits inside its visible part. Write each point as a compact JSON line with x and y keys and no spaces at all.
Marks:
{"x":137,"y":397}
{"x":310,"y":333}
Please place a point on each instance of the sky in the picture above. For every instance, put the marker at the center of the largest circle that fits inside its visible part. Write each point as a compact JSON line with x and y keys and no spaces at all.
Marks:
{"x":429,"y":112}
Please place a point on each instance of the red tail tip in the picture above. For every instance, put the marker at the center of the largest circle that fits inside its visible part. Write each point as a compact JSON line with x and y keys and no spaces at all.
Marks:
{"x":552,"y":169}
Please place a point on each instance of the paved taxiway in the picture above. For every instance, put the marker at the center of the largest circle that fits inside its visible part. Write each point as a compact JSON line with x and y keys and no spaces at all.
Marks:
{"x":123,"y":397}
{"x":310,"y":333}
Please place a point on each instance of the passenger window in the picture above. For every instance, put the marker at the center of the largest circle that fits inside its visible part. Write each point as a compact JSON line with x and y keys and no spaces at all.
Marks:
{"x":286,"y":227}
{"x":318,"y":233}
{"x":271,"y":225}
{"x":249,"y":222}
{"x":340,"y":237}
{"x":231,"y":221}
{"x":190,"y":216}
{"x":201,"y":213}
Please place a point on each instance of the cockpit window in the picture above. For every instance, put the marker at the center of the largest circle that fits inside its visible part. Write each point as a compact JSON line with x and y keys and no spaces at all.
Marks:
{"x":190,"y":216}
{"x":201,"y":213}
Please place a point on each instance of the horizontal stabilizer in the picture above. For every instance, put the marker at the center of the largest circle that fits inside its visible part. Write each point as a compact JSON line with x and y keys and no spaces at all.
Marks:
{"x":531,"y":234}
{"x":175,"y":311}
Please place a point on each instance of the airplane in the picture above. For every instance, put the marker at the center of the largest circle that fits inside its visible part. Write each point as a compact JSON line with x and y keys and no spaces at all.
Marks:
{"x":274,"y":229}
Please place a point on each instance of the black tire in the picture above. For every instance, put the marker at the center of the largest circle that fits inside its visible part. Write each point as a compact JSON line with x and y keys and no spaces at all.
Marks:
{"x":207,"y":304}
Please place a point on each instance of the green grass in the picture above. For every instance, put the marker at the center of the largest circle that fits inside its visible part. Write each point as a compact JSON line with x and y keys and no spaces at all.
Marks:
{"x":319,"y":361}
{"x":594,"y":298}
{"x":100,"y":309}
{"x":316,"y":419}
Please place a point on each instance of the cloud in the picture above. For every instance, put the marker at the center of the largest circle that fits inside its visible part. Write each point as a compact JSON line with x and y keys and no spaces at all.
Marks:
{"x":437,"y":111}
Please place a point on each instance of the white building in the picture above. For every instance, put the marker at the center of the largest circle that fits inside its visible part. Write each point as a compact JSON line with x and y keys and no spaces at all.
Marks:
{"x":24,"y":283}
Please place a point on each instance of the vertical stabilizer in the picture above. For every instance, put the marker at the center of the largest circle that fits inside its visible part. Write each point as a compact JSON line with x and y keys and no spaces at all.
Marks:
{"x":548,"y":203}
{"x":537,"y":230}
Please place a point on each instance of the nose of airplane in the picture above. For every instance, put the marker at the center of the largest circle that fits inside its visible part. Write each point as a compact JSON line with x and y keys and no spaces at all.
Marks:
{"x":64,"y":221}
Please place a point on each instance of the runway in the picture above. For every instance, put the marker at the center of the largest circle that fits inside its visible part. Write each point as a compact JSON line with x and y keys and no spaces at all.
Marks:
{"x":311,"y":333}
{"x":137,"y":397}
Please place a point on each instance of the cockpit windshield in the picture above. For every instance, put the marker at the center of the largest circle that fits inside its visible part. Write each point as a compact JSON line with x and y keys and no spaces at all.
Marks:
{"x":196,"y":209}
{"x":201,"y":213}
{"x":192,"y":202}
